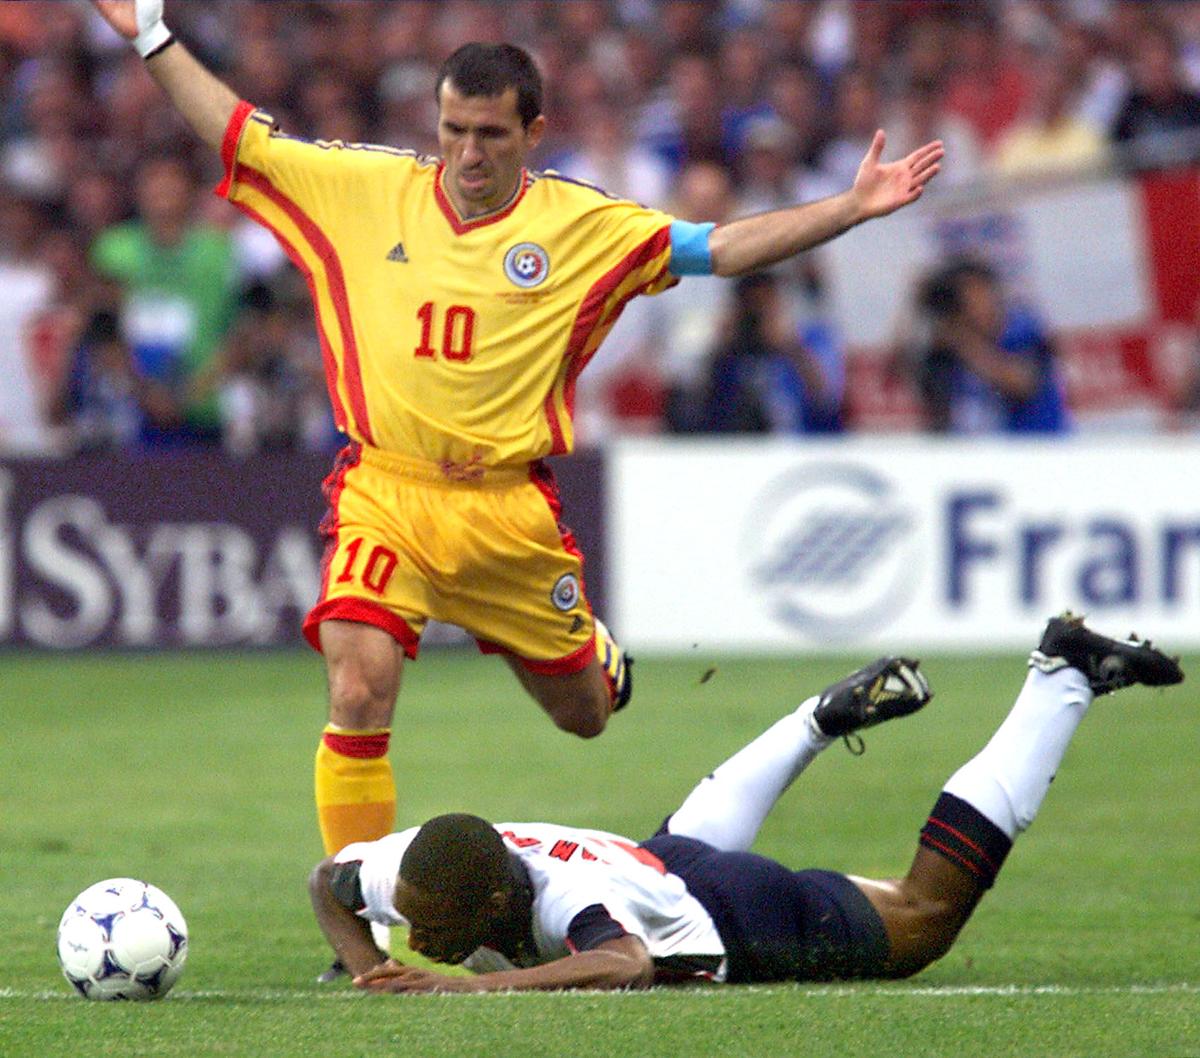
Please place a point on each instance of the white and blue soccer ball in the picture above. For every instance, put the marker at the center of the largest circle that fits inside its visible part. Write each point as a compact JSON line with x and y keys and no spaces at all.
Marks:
{"x":122,"y":939}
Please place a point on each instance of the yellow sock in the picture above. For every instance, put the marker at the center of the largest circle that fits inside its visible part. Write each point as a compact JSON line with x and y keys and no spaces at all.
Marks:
{"x":356,"y":794}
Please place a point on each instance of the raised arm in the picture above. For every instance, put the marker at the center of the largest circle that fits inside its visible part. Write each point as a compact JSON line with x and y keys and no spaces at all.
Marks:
{"x":204,"y":101}
{"x":751,"y":243}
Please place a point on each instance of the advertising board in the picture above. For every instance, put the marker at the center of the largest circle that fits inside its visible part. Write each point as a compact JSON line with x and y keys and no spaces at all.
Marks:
{"x":909,"y":543}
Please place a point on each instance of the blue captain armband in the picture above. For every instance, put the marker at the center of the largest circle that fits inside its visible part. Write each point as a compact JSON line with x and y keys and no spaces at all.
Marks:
{"x":690,"y":255}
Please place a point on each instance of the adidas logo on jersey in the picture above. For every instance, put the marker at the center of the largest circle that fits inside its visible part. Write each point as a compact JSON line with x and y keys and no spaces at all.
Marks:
{"x":398,"y":254}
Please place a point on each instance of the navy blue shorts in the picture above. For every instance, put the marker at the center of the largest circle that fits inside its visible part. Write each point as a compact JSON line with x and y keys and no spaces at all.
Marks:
{"x":776,"y":924}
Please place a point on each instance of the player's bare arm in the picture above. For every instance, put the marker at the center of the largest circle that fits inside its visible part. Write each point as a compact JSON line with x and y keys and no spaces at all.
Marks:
{"x":347,"y":933}
{"x":204,"y":101}
{"x":880,"y":188}
{"x":619,"y":963}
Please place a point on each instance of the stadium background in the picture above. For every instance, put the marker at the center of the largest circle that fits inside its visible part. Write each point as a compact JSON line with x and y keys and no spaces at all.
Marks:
{"x":161,"y":452}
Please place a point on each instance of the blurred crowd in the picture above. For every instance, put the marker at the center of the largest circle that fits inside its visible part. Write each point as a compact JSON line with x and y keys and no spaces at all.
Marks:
{"x":140,"y":310}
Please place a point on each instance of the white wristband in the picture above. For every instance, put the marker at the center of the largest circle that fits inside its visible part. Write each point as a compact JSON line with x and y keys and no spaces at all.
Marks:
{"x":152,"y":38}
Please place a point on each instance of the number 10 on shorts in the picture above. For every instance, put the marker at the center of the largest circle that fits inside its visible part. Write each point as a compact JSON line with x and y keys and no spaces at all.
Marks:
{"x":375,"y":572}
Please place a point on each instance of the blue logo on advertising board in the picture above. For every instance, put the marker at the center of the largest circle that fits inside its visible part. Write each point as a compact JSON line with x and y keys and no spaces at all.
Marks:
{"x":832,"y":548}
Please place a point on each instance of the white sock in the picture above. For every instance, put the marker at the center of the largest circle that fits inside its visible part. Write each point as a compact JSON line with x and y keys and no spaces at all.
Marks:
{"x":1009,"y":777}
{"x":727,"y":808}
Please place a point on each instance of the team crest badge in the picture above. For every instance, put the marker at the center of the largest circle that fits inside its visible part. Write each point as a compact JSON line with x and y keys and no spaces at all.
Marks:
{"x":526,"y":265}
{"x":566,"y":592}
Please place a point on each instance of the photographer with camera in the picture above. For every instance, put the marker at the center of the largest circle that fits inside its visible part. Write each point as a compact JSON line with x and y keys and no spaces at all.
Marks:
{"x":985,"y":366}
{"x":762,"y":377}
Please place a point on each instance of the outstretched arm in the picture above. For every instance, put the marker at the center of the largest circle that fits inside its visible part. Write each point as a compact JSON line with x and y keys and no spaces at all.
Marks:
{"x":619,"y":963}
{"x":205,"y":102}
{"x":879,"y":188}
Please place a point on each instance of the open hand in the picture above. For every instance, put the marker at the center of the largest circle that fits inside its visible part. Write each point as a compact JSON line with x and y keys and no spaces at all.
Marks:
{"x":121,"y":15}
{"x":393,"y":976}
{"x":138,"y":21}
{"x":882,"y":188}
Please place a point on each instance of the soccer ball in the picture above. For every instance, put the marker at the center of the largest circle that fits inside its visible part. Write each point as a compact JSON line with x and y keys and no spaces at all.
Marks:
{"x":122,"y":939}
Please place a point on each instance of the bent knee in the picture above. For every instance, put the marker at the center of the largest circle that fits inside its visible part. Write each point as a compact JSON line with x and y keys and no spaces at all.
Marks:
{"x":579,"y":702}
{"x":587,"y":720}
{"x":921,"y":928}
{"x":923,"y":952}
{"x":919,"y":951}
{"x":359,"y":699}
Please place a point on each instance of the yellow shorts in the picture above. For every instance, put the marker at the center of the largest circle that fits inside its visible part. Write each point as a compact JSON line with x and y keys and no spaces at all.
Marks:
{"x":405,"y":543}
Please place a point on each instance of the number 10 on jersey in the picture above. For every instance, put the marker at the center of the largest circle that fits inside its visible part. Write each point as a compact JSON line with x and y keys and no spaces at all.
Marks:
{"x":457,"y":327}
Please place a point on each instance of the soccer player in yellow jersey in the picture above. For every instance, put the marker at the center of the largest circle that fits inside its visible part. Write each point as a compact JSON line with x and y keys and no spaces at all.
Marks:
{"x":457,"y":300}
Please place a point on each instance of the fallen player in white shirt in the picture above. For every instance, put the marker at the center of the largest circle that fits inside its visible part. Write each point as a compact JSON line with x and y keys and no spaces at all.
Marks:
{"x":541,"y":906}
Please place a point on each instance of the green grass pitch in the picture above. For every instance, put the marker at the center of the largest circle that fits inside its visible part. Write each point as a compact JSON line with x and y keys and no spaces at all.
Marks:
{"x":194,"y":772}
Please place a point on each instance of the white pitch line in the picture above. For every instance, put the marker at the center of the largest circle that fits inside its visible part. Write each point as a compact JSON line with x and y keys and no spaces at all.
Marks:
{"x":816,"y":991}
{"x":937,"y":991}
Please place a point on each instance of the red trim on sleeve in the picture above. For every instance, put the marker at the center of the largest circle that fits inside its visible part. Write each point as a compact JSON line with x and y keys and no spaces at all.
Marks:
{"x":229,"y":145}
{"x":588,"y":318}
{"x":364,"y":612}
{"x":461,"y":226}
{"x":319,"y":242}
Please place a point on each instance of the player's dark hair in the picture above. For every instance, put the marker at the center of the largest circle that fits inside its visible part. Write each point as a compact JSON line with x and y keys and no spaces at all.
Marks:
{"x":458,"y":855}
{"x":941,"y":294}
{"x":490,"y":70}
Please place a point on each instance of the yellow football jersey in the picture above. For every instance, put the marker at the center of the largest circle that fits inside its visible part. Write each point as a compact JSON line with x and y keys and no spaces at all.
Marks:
{"x":446,"y":340}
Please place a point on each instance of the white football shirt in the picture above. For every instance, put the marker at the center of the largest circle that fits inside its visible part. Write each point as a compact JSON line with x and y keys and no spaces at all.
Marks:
{"x":571,"y":869}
